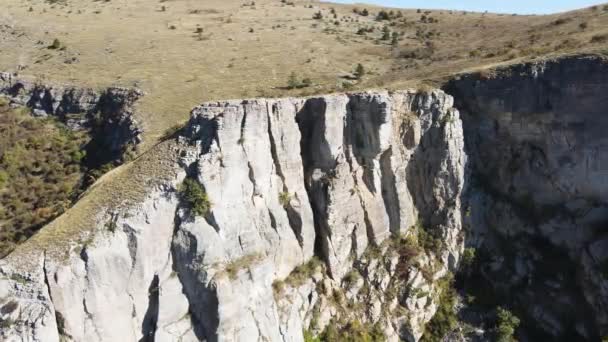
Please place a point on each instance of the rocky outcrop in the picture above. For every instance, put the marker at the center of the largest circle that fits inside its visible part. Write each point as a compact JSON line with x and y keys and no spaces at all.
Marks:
{"x":107,"y":114}
{"x":290,"y":180}
{"x":535,"y":134}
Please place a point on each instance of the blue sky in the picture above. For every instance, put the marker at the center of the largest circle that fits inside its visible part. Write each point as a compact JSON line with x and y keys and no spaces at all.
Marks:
{"x":504,"y":6}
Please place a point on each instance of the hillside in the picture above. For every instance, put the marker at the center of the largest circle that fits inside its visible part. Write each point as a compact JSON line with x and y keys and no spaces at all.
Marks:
{"x":182,"y":52}
{"x":189,"y":170}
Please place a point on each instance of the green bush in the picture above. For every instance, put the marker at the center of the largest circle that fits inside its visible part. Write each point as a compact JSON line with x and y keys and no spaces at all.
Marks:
{"x":194,"y":194}
{"x":386,"y":33}
{"x":468,"y":257}
{"x":428,"y":241}
{"x":445,"y":320}
{"x":506,"y":323}
{"x":309,"y":337}
{"x":382,"y":15}
{"x":359,"y":71}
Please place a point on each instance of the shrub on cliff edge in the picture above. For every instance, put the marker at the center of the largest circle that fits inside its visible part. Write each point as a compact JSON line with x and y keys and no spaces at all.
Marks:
{"x":194,"y":194}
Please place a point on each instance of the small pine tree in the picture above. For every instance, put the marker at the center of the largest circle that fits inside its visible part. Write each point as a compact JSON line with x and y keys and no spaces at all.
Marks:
{"x":382,"y":15}
{"x":395,"y":39}
{"x":359,"y":71}
{"x":386,"y":33}
{"x":506,"y":325}
{"x":292,"y":82}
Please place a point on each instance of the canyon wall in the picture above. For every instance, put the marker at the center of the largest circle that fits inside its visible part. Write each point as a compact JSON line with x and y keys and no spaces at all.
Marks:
{"x":538,"y":201}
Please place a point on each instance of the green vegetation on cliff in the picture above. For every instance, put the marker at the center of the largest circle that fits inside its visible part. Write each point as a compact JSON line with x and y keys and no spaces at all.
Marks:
{"x":40,"y":173}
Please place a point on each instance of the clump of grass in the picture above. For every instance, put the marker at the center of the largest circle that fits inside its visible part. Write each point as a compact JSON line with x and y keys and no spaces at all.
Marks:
{"x":303,"y":272}
{"x":284,"y":198}
{"x":295,"y":83}
{"x":351,"y":331}
{"x":233,"y":267}
{"x":194,"y":194}
{"x":351,"y":278}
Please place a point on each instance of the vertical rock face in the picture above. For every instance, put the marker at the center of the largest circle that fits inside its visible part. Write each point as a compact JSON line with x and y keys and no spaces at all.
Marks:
{"x":331,"y":178}
{"x":107,"y":114}
{"x":536,"y":138}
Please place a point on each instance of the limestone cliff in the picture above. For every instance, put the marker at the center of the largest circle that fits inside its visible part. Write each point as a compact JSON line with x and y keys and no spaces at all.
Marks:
{"x":351,"y":208}
{"x":288,"y":180}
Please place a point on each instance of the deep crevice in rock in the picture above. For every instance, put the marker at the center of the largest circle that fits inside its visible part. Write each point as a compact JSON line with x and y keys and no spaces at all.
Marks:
{"x":149,"y":324}
{"x":59,"y":320}
{"x":293,"y":216}
{"x":389,"y":191}
{"x":310,"y":120}
{"x":202,"y":297}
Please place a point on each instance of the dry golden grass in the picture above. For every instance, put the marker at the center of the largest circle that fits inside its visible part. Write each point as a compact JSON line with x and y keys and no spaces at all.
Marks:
{"x":249,"y":51}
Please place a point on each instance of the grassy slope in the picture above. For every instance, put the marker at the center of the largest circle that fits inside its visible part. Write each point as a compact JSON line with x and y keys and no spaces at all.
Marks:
{"x":40,"y":173}
{"x":247,"y":51}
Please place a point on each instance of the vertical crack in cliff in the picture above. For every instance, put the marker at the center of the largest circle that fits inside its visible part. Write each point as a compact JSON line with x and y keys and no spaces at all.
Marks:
{"x":389,"y":191}
{"x":85,"y":258}
{"x":250,"y":173}
{"x":349,"y":153}
{"x":293,"y":216}
{"x":149,"y":324}
{"x":311,"y":119}
{"x":202,"y":298}
{"x":59,"y":321}
{"x":369,"y":230}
